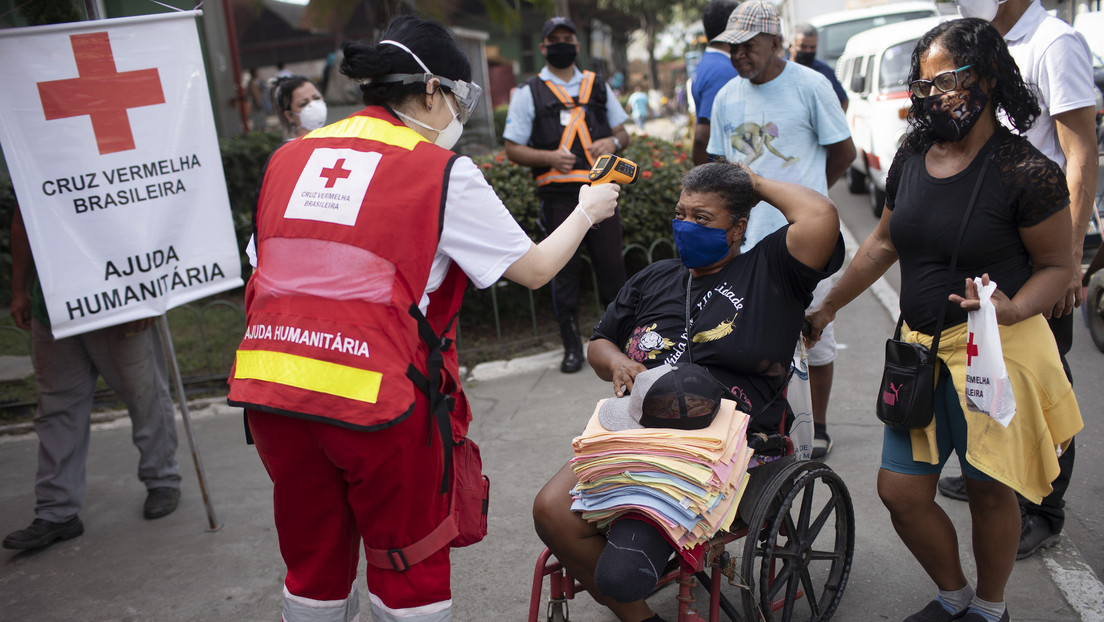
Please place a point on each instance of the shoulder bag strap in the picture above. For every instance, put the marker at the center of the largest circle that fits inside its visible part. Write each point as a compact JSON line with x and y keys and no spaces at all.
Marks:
{"x":954,"y":257}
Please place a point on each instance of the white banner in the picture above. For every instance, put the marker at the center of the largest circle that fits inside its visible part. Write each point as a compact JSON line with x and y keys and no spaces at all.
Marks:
{"x":107,"y":130}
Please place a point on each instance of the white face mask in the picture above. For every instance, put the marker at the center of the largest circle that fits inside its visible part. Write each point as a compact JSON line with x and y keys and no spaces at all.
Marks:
{"x":313,"y":115}
{"x":446,"y":137}
{"x":983,"y":9}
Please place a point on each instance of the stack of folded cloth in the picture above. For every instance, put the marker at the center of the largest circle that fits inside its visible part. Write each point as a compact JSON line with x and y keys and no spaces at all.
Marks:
{"x":673,"y":451}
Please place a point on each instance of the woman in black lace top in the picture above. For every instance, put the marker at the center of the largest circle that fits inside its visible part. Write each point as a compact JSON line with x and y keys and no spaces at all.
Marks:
{"x":1018,"y":235}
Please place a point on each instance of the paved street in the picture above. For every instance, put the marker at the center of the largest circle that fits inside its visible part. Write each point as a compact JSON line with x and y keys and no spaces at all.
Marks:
{"x":125,"y":568}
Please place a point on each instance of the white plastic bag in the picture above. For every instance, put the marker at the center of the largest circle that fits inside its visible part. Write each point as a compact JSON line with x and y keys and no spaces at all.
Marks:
{"x":801,"y":401}
{"x":988,"y":389}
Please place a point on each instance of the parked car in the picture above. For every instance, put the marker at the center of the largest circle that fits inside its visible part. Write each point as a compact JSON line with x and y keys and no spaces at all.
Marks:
{"x":835,"y":29}
{"x":873,"y":70}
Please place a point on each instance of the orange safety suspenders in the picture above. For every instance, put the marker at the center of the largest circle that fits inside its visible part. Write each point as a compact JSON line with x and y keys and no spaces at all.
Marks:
{"x":576,"y":128}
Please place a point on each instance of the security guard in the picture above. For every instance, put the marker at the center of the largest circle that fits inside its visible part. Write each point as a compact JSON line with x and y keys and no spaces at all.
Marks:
{"x":559,"y":122}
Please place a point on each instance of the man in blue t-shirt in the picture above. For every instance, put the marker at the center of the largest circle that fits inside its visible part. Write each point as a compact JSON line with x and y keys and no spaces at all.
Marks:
{"x":781,"y":120}
{"x":714,"y":71}
{"x":803,"y":52}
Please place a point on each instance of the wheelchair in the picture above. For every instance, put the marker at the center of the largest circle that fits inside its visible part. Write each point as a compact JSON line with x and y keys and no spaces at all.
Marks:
{"x":786,"y":557}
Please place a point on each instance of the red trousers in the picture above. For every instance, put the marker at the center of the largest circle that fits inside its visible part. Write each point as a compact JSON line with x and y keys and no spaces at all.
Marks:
{"x":333,"y":487}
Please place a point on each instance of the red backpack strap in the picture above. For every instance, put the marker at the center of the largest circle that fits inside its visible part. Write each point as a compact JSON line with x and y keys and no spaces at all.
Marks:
{"x":402,"y":559}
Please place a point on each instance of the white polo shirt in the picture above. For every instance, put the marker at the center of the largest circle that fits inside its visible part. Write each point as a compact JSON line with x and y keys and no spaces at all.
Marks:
{"x":1056,"y":63}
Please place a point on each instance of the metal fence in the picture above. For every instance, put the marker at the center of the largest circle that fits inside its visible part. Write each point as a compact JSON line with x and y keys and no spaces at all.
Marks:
{"x":206,"y":333}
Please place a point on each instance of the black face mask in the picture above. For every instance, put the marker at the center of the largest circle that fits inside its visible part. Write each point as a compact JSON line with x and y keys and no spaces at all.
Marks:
{"x":954,"y":114}
{"x":804,"y":58}
{"x":561,"y":55}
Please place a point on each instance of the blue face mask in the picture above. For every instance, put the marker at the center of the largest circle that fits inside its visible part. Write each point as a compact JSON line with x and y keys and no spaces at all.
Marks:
{"x":699,"y":246}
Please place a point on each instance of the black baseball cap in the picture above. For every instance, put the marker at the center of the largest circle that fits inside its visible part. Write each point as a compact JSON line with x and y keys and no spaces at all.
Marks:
{"x":683,"y":396}
{"x":557,"y":22}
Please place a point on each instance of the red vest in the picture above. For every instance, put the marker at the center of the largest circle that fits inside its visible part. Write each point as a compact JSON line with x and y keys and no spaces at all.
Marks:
{"x":347,"y":225}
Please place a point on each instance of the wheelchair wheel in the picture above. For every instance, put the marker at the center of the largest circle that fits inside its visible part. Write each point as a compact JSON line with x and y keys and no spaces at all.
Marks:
{"x":799,"y":547}
{"x":1094,"y":309}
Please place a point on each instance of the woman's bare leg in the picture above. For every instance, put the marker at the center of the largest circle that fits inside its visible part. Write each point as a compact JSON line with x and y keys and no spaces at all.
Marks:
{"x":923,"y":526}
{"x":575,"y":542}
{"x":995,"y":515}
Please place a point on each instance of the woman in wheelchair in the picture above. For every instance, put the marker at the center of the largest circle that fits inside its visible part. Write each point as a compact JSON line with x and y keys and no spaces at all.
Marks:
{"x":737,"y":315}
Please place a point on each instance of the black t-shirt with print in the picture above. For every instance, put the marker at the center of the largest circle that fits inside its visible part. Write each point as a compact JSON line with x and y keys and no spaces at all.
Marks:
{"x":745,"y":321}
{"x":1022,"y":187}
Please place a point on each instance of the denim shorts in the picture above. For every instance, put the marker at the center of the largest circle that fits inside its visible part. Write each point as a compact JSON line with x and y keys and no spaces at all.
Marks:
{"x":950,"y":434}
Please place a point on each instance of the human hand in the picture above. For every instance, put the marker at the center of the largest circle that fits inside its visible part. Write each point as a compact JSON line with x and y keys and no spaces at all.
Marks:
{"x":1071,"y":298}
{"x":599,"y":202}
{"x":755,"y":179}
{"x":562,"y":160}
{"x":602,"y":146}
{"x":1008,"y":312}
{"x":21,"y":310}
{"x":624,"y":373}
{"x":815,"y":321}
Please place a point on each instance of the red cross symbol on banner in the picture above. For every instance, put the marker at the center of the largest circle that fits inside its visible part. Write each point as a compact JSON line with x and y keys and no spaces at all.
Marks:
{"x":971,"y":348}
{"x":101,"y":92}
{"x":337,"y":172}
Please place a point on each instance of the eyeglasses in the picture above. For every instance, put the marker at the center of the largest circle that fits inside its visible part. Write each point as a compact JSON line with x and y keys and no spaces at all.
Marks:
{"x":467,"y":94}
{"x":945,"y":82}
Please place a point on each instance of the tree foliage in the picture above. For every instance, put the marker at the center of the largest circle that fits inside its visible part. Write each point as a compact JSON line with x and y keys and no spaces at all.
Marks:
{"x":655,"y":15}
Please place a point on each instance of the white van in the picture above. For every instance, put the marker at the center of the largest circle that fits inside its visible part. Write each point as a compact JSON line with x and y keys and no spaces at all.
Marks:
{"x":873,"y":69}
{"x":835,"y":29}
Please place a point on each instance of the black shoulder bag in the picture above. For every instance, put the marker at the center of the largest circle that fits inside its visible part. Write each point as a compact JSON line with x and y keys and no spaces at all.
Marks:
{"x":905,"y":400}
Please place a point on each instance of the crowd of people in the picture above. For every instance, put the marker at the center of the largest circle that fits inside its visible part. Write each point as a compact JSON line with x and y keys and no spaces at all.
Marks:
{"x":1001,"y":147}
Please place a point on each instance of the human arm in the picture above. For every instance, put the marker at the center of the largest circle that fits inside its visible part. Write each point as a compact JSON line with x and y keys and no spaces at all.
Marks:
{"x":616,"y":117}
{"x":608,"y":144}
{"x":873,"y":257}
{"x":814,"y":222}
{"x":1076,"y":130}
{"x":22,"y":269}
{"x":840,"y":156}
{"x":611,"y":364}
{"x":560,"y":159}
{"x":542,"y":261}
{"x":519,"y":130}
{"x":1048,"y":245}
{"x":701,"y":140}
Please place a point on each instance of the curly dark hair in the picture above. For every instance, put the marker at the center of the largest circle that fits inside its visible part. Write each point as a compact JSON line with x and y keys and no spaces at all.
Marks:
{"x":729,"y":181}
{"x":975,"y":42}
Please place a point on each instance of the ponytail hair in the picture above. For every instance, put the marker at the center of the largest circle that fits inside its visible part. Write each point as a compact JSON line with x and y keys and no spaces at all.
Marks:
{"x":430,"y":40}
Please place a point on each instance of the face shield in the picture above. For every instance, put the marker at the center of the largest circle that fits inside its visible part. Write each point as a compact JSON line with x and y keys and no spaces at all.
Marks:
{"x":467,"y":94}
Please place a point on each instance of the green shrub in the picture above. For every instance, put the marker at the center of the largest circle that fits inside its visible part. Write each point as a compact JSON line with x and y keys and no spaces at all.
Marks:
{"x":243,"y":159}
{"x":499,"y":114}
{"x":647,"y":206}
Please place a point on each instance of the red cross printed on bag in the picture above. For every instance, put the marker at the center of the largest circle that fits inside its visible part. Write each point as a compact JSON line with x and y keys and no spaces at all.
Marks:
{"x":101,"y":92}
{"x":971,"y":349}
{"x":337,"y":172}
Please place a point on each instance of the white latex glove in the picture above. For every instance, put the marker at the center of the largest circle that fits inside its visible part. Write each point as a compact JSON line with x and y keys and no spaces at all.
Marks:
{"x":599,"y":201}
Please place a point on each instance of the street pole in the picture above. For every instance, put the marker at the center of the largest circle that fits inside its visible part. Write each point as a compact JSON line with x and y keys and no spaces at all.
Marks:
{"x":93,"y":10}
{"x":178,"y":384}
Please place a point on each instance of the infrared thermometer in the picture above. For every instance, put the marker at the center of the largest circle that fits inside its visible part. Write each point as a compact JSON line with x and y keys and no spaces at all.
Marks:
{"x":612,"y":169}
